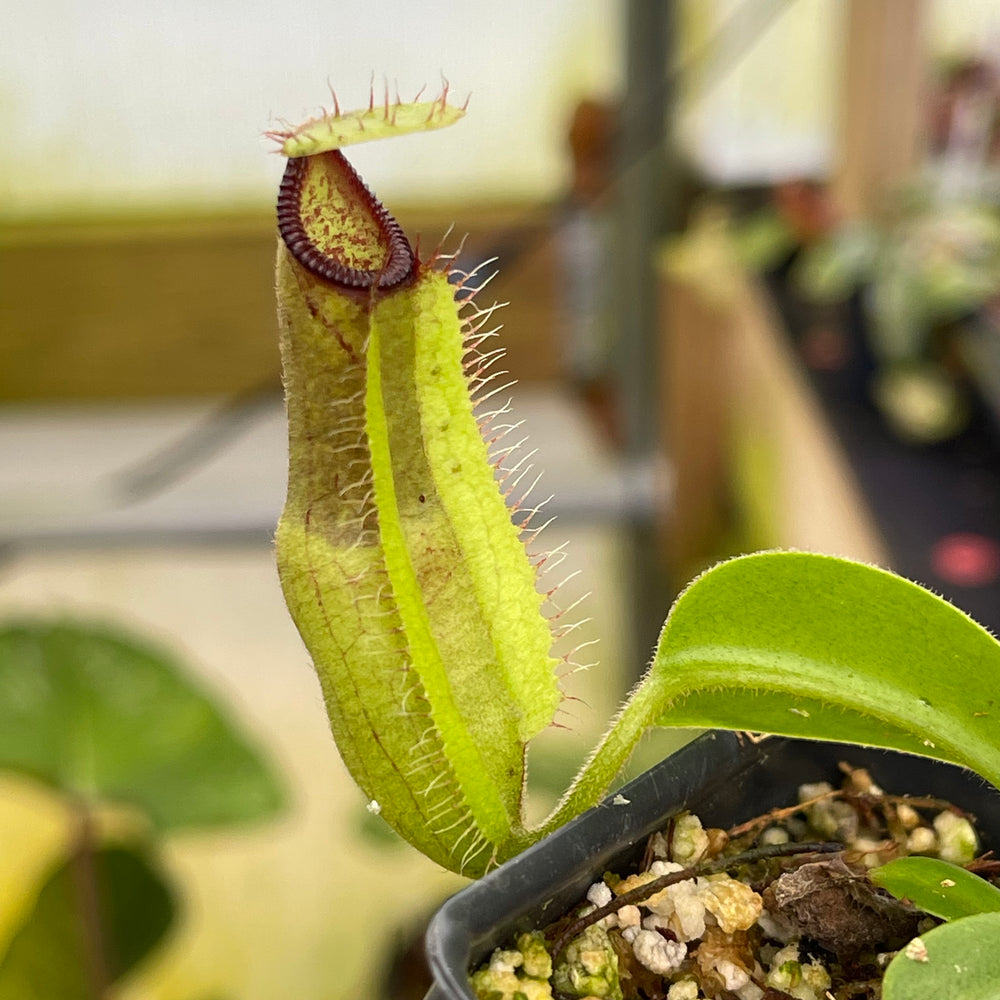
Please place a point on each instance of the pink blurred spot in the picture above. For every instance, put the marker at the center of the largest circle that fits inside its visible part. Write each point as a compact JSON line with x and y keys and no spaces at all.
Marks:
{"x":966,"y":559}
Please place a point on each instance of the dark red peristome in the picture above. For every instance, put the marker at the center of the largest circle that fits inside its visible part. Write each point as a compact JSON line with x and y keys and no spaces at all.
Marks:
{"x":400,"y":261}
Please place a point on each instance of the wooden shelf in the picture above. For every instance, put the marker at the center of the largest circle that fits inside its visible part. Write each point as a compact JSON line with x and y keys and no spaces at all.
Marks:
{"x":750,"y":445}
{"x":132,"y":308}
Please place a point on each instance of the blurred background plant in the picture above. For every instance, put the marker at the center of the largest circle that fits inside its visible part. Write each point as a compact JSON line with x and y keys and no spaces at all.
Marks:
{"x":931,"y":268}
{"x":130,"y":751}
{"x":923,"y":265}
{"x":923,"y":270}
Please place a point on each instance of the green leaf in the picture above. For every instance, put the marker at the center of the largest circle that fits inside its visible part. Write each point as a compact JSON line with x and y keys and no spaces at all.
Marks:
{"x":52,"y":955}
{"x":938,"y":887}
{"x":100,"y":715}
{"x":807,"y":645}
{"x":962,"y":963}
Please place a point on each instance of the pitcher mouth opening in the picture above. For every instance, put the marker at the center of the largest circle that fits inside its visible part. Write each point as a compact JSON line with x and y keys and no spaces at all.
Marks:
{"x":340,"y":232}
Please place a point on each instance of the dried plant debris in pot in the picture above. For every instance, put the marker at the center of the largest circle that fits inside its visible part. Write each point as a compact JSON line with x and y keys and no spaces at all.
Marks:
{"x":779,"y":906}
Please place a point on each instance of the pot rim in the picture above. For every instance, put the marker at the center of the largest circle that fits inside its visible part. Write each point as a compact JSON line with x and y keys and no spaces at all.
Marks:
{"x":715,"y":775}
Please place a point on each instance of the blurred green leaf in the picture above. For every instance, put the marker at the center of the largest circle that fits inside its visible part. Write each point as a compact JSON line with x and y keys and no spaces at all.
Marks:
{"x":51,"y":957}
{"x":100,"y":715}
{"x":962,"y":962}
{"x":829,"y":271}
{"x":762,"y":240}
{"x":937,"y":887}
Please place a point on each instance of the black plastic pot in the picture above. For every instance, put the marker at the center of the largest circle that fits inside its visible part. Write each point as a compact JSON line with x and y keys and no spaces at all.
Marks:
{"x":721,"y":778}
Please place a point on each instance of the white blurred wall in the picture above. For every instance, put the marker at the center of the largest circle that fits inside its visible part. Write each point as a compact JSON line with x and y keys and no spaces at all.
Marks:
{"x":125,"y":104}
{"x":756,"y":111}
{"x":110,"y":104}
{"x":965,"y":27}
